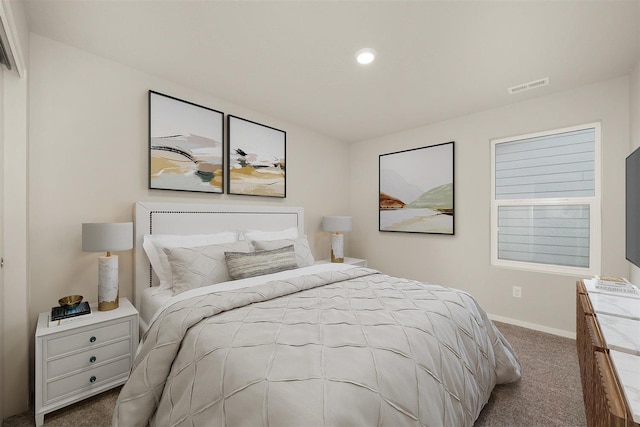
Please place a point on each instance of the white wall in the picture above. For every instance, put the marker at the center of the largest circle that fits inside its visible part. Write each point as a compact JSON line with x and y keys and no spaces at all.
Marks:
{"x":89,"y":162}
{"x":634,"y":113}
{"x":463,"y":260}
{"x":2,"y":298}
{"x":16,"y":333}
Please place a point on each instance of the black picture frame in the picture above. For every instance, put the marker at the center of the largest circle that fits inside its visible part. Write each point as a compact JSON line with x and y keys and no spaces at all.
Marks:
{"x":186,"y":145}
{"x":256,"y":159}
{"x":416,"y":190}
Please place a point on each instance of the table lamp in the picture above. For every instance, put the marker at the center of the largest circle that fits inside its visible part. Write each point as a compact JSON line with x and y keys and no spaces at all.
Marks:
{"x":107,"y":237}
{"x":337,"y":225}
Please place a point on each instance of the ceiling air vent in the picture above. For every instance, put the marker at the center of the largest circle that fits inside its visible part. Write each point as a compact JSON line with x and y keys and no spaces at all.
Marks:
{"x":528,"y":86}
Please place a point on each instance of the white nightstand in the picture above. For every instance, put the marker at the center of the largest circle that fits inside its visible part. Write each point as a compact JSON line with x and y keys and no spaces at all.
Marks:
{"x":352,"y":261}
{"x":84,"y":357}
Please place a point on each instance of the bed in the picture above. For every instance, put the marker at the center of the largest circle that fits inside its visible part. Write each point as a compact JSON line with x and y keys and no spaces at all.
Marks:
{"x":304,"y":345}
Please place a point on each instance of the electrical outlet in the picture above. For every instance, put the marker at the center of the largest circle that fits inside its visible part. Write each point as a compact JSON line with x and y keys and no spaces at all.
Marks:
{"x":517,"y":292}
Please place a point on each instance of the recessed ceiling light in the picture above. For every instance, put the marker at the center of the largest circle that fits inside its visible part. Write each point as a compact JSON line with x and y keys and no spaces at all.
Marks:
{"x":365,"y":56}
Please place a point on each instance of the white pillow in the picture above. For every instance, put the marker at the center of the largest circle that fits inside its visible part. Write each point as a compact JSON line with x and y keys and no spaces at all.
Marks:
{"x":287,"y":233}
{"x":200,"y":266}
{"x":154,"y":243}
{"x":304,"y":257}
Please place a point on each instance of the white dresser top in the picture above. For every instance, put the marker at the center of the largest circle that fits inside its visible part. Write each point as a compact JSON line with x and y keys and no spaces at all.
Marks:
{"x":615,"y":305}
{"x":628,"y":367}
{"x":620,"y":333}
{"x":618,"y":316}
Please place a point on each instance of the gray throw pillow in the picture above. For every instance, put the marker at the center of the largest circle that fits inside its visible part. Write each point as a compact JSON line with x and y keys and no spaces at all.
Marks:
{"x":242,"y":265}
{"x":304,"y":257}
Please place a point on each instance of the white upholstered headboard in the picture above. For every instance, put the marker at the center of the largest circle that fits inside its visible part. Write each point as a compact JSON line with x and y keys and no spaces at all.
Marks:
{"x":186,"y":218}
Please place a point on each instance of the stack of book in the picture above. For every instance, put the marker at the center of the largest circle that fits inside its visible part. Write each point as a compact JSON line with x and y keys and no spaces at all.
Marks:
{"x":616,"y":284}
{"x":61,"y":315}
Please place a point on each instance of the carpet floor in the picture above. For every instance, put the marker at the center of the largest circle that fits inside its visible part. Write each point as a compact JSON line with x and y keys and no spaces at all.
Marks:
{"x":549,"y":393}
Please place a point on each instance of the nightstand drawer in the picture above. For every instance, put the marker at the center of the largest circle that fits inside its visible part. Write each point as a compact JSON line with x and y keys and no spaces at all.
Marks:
{"x":91,"y":357}
{"x":87,"y":338}
{"x":74,"y":383}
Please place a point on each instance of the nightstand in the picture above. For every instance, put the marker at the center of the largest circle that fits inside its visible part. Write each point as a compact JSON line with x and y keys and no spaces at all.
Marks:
{"x":83,"y":357}
{"x":352,"y":261}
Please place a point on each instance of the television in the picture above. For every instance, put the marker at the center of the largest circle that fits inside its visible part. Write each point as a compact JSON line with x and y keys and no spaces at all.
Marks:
{"x":632,"y":210}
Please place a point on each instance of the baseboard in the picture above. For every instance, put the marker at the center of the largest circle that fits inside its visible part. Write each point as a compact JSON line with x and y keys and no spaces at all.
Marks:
{"x":534,"y":326}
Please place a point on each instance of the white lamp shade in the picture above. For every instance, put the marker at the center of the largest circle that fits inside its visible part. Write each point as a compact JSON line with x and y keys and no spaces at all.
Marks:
{"x":336,"y":224}
{"x":107,"y":236}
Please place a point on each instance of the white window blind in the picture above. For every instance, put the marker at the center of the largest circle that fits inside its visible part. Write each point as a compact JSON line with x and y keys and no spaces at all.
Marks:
{"x":552,"y":234}
{"x":546,"y":203}
{"x":561,"y":165}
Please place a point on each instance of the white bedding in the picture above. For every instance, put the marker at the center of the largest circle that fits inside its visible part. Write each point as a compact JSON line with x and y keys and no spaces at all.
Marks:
{"x":153,"y":298}
{"x":323,"y":345}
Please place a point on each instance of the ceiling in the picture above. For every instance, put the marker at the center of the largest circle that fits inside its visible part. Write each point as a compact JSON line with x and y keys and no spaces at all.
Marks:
{"x":295,"y":59}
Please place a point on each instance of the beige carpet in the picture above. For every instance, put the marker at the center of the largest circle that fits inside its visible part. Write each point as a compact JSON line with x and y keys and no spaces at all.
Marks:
{"x":549,"y":393}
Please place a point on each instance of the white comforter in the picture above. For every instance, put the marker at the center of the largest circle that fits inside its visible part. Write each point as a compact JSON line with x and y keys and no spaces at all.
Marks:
{"x":338,"y":347}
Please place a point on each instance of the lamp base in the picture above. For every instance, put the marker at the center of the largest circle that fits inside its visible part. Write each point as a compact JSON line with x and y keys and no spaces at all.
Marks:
{"x":108,"y":292}
{"x":337,"y":248}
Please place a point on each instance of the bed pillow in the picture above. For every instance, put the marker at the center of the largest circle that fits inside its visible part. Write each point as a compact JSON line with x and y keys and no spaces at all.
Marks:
{"x":304,"y":257}
{"x":287,"y":233}
{"x":243,"y":265}
{"x":201,"y":265}
{"x":154,"y":244}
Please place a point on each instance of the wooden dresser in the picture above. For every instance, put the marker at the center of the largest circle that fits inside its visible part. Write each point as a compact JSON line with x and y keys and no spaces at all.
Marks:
{"x":607,"y":385}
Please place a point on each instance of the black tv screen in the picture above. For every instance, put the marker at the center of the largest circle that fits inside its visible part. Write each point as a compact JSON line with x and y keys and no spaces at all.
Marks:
{"x":633,"y":207}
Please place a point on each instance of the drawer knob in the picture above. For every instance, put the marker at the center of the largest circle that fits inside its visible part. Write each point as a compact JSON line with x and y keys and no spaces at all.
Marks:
{"x":92,"y":379}
{"x":92,"y":339}
{"x":93,"y":359}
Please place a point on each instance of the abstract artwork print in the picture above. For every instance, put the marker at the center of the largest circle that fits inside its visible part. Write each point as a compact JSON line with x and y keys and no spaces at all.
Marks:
{"x":416,"y":190}
{"x":185,"y":145}
{"x":256,"y":159}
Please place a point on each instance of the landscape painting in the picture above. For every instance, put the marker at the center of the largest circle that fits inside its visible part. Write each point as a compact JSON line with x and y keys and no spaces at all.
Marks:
{"x":185,"y":145}
{"x":416,"y":190}
{"x":256,"y":159}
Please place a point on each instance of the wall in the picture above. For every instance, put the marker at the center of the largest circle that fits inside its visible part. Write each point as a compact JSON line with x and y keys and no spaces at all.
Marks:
{"x":89,"y":162}
{"x":2,"y":298}
{"x":463,"y":260}
{"x":15,"y":359}
{"x":634,"y":110}
{"x":634,"y":113}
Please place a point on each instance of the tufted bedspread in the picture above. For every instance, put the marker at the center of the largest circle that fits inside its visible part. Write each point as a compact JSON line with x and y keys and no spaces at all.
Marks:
{"x":352,"y":347}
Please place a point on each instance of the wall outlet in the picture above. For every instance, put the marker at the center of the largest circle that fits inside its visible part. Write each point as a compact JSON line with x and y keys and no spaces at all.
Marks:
{"x":517,"y":292}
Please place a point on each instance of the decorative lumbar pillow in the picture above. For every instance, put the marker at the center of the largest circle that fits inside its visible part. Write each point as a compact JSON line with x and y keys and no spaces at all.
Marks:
{"x":154,"y":244}
{"x":201,"y":265}
{"x":243,"y":265}
{"x":304,"y":257}
{"x":287,"y":233}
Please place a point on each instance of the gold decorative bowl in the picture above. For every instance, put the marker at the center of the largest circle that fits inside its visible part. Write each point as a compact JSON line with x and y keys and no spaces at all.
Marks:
{"x":70,"y":301}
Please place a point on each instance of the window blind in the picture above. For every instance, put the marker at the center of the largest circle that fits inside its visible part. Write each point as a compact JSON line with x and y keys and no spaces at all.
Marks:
{"x":544,"y":234}
{"x":551,"y":166}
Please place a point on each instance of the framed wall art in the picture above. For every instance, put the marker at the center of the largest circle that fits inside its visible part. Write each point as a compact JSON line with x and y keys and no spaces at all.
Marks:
{"x":256,"y":159}
{"x":416,"y":190}
{"x":186,"y":148}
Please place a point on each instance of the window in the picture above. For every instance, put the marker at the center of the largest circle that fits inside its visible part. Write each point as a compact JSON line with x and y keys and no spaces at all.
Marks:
{"x":545,"y":209}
